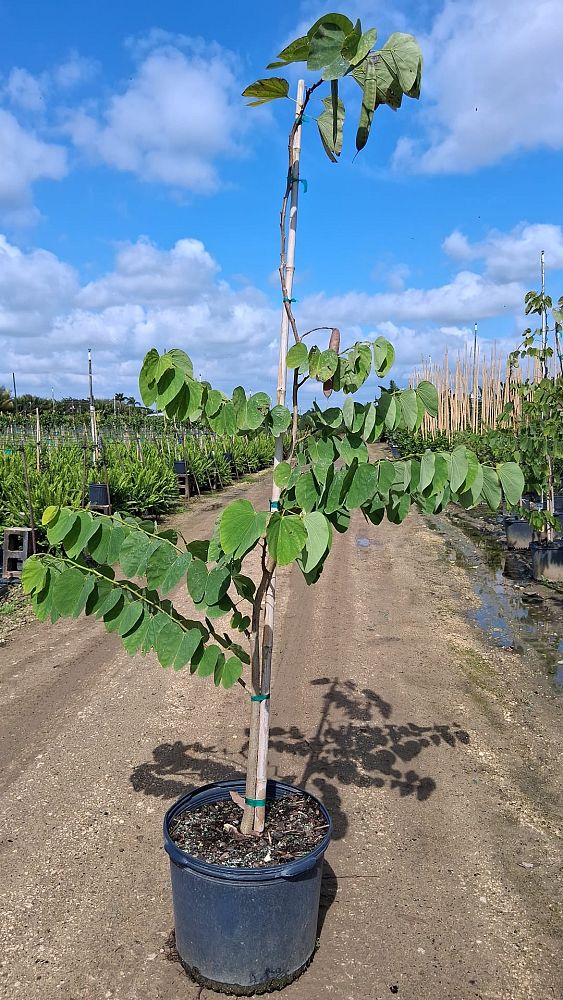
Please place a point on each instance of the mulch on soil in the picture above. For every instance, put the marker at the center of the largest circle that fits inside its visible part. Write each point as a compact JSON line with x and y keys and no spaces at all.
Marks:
{"x":294,"y":827}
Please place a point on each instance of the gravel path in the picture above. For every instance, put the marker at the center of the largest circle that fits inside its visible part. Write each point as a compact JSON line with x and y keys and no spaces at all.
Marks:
{"x":436,"y":754}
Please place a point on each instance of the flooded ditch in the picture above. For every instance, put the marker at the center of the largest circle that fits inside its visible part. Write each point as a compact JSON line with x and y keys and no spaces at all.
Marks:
{"x":515,"y":611}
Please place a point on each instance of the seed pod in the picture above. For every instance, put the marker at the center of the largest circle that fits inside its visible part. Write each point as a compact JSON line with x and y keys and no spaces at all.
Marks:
{"x":333,"y":345}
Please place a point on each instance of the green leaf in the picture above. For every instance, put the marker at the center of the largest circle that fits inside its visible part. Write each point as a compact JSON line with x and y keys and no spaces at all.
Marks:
{"x":318,"y":539}
{"x":236,"y":521}
{"x":165,"y":568}
{"x":135,"y":552}
{"x":78,"y":537}
{"x":168,"y":642}
{"x":512,"y":481}
{"x":216,"y":585}
{"x":407,"y":58}
{"x":325,"y":42}
{"x":130,"y":617}
{"x":365,"y":44}
{"x":296,"y":51}
{"x":363,"y":485}
{"x":427,"y":467}
{"x":34,"y":575}
{"x":281,"y":419}
{"x":385,"y":477}
{"x":297,"y":355}
{"x":60,"y":528}
{"x":231,"y":671}
{"x":169,"y":385}
{"x":49,"y":515}
{"x":269,"y":89}
{"x":213,"y":402}
{"x":190,"y":642}
{"x":257,"y":409}
{"x":351,"y":42}
{"x":306,"y":492}
{"x":208,"y":661}
{"x":328,"y":363}
{"x":331,"y":125}
{"x":383,"y":356}
{"x":197,"y":580}
{"x":286,"y":537}
{"x":491,"y":490}
{"x":387,"y":410}
{"x":282,"y":472}
{"x":428,"y":395}
{"x":147,"y":377}
{"x":244,"y":586}
{"x":409,"y":408}
{"x":459,"y":468}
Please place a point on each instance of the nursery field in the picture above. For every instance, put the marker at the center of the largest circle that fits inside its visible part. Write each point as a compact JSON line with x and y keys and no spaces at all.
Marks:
{"x":435,"y":751}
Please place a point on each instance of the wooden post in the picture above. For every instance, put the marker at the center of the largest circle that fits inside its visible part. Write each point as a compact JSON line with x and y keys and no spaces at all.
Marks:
{"x":37,"y":440}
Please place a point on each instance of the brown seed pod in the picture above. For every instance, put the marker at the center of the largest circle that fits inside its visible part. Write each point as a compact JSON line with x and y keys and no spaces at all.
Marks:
{"x":333,"y":345}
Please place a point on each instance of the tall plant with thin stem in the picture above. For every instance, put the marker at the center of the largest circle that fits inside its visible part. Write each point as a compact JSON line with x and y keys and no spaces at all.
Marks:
{"x":323,"y":476}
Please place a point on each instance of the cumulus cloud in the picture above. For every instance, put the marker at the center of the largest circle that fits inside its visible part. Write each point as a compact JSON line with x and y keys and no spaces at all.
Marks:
{"x":179,"y":114}
{"x":25,"y":159}
{"x":514,"y":255}
{"x":23,"y":90}
{"x":177,"y":297}
{"x":76,"y":70}
{"x":494,"y":77}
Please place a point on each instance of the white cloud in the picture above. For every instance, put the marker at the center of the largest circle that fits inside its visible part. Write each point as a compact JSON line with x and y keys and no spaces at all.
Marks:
{"x":179,"y":115}
{"x":514,"y":255}
{"x":74,"y":71}
{"x":25,"y":159}
{"x":34,"y":287}
{"x":494,"y":77}
{"x":23,"y":90}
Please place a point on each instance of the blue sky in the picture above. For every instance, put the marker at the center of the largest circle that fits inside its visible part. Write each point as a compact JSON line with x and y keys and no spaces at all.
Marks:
{"x":139,"y":197}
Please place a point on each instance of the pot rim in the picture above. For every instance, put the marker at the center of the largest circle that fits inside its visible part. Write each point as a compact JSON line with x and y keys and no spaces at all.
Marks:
{"x":216,"y":791}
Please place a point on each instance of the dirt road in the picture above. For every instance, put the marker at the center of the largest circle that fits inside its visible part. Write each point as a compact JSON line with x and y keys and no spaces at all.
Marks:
{"x":436,"y":754}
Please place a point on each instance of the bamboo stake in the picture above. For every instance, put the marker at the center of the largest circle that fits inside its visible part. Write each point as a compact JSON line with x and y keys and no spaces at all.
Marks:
{"x":37,"y":440}
{"x":270,"y":596}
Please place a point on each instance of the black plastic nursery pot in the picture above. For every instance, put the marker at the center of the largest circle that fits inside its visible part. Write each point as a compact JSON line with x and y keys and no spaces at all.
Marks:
{"x":98,"y":494}
{"x":547,"y":563}
{"x":519,"y":533}
{"x":244,"y":930}
{"x":180,"y":468}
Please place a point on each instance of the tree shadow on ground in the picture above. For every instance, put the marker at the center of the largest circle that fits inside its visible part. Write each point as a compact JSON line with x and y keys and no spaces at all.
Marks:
{"x":355,"y":743}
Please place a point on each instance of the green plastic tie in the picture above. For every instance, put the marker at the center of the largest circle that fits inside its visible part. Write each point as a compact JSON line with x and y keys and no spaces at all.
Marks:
{"x":274,"y":505}
{"x":255,"y":802}
{"x":259,"y":697}
{"x":287,"y":299}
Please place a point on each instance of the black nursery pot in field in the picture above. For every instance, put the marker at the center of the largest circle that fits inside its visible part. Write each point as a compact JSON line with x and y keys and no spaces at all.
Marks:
{"x":244,"y":930}
{"x":98,"y":494}
{"x":547,"y":562}
{"x":180,"y":468}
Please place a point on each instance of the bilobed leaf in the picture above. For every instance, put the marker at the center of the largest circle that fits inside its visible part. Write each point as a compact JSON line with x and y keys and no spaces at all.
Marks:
{"x":328,"y":363}
{"x":296,"y":51}
{"x":409,"y":408}
{"x":306,"y":492}
{"x":166,"y":568}
{"x":130,"y":617}
{"x":385,"y":477}
{"x":351,"y":42}
{"x":512,"y":481}
{"x":269,"y":89}
{"x":169,"y":385}
{"x":281,"y":419}
{"x":325,"y":42}
{"x":168,"y":642}
{"x":257,"y":408}
{"x":318,"y":539}
{"x":232,"y":670}
{"x":459,"y":468}
{"x":236,"y":522}
{"x":428,"y":394}
{"x":60,"y":527}
{"x":49,"y":514}
{"x":407,"y":58}
{"x":362,"y":486}
{"x":216,"y":585}
{"x":387,"y":410}
{"x":427,"y":466}
{"x":34,"y":575}
{"x":196,"y":579}
{"x":383,"y":356}
{"x":147,"y":377}
{"x":82,"y":530}
{"x":492,"y":494}
{"x":297,"y":355}
{"x":282,"y":472}
{"x":189,"y":643}
{"x":286,"y":537}
{"x":365,"y":44}
{"x":70,"y":592}
{"x":135,"y":552}
{"x":208,"y":660}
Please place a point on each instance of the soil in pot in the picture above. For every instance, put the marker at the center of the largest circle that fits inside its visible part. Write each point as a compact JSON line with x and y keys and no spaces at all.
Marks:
{"x":294,"y":827}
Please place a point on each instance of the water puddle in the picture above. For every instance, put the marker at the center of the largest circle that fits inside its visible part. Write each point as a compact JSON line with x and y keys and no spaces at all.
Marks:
{"x":515,"y":611}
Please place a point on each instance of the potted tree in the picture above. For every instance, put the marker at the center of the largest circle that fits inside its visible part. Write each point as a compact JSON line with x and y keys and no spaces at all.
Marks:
{"x":539,"y":436}
{"x":246,"y":914}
